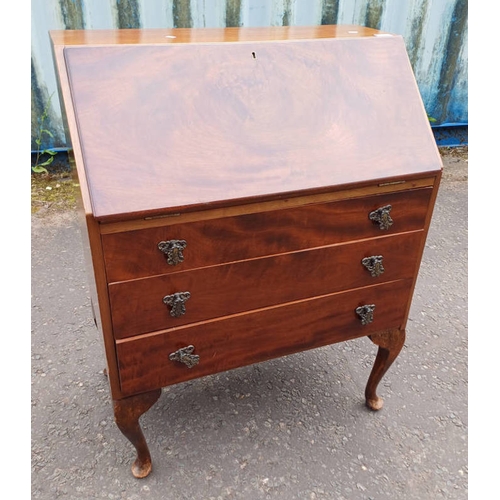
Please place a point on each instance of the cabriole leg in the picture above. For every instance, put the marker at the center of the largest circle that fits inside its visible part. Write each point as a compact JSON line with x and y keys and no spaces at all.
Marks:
{"x":127,"y":413}
{"x":390,"y":343}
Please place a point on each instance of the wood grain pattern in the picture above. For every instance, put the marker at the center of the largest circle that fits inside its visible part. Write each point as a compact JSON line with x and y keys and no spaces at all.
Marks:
{"x":135,"y":254}
{"x":265,"y":149}
{"x":217,"y":291}
{"x":206,"y":35}
{"x":390,"y":342}
{"x":127,"y":412}
{"x":250,"y":338}
{"x":279,"y":203}
{"x":208,"y":124}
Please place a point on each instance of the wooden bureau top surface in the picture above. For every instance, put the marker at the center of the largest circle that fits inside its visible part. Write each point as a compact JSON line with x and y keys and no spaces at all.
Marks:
{"x":204,"y":35}
{"x":229,"y":116}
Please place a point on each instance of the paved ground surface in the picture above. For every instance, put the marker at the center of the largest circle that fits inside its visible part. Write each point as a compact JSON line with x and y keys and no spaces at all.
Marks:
{"x":293,"y":428}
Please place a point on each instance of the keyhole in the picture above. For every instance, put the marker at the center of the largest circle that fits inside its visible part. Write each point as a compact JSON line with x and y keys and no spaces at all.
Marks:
{"x":253,"y":55}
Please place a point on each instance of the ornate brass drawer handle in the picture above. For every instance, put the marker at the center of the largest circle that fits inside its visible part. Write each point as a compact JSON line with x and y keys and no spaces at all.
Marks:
{"x":176,"y":301}
{"x":173,"y":250}
{"x":186,"y":356}
{"x":382,"y":217}
{"x":365,"y":313}
{"x":374,"y":265}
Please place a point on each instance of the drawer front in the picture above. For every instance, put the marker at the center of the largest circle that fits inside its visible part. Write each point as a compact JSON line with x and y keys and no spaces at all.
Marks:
{"x":138,"y":306}
{"x":145,"y":361}
{"x":136,"y":254}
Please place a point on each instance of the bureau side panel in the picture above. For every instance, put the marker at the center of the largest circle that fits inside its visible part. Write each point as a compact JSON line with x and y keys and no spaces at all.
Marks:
{"x":420,"y":254}
{"x":98,"y":278}
{"x":90,"y":228}
{"x":254,"y":337}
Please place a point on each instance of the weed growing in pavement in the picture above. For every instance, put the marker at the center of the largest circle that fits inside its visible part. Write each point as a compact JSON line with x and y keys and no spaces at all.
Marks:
{"x":39,"y":167}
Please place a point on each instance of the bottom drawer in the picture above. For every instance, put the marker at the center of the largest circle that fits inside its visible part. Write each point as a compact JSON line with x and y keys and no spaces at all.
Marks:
{"x":242,"y":339}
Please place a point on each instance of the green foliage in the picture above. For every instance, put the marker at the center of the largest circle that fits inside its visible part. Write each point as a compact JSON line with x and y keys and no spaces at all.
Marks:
{"x":39,"y":166}
{"x":431,"y":119}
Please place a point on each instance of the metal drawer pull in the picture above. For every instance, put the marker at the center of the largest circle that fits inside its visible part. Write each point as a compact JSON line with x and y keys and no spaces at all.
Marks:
{"x":176,"y":301}
{"x":365,"y":313}
{"x":186,"y":356}
{"x":173,"y":250}
{"x":382,"y":217}
{"x":374,"y":265}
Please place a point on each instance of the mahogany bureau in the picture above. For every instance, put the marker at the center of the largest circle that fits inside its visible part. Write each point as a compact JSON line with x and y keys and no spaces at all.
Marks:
{"x":247,"y":193}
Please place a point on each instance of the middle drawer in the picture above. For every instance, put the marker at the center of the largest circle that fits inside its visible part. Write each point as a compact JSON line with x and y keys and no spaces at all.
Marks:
{"x":163,"y":302}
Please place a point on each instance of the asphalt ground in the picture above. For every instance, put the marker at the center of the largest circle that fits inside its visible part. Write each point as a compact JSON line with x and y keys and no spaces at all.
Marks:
{"x":291,"y":428}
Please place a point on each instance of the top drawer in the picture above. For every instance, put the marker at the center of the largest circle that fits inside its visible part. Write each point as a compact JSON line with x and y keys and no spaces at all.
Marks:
{"x":136,"y":254}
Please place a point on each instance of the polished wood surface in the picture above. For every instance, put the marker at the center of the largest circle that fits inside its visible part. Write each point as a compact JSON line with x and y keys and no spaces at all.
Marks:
{"x":389,"y":342}
{"x":189,"y":126}
{"x":206,"y":35}
{"x":127,"y":412}
{"x":233,"y":288}
{"x":254,"y":337}
{"x":265,"y":149}
{"x":135,"y":254}
{"x":279,"y":203}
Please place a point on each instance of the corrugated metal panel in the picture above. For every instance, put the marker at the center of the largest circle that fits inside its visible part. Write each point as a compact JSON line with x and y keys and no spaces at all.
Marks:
{"x":435,"y":32}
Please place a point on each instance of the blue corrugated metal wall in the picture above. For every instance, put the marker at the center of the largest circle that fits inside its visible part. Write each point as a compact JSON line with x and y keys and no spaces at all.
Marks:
{"x":435,"y":32}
